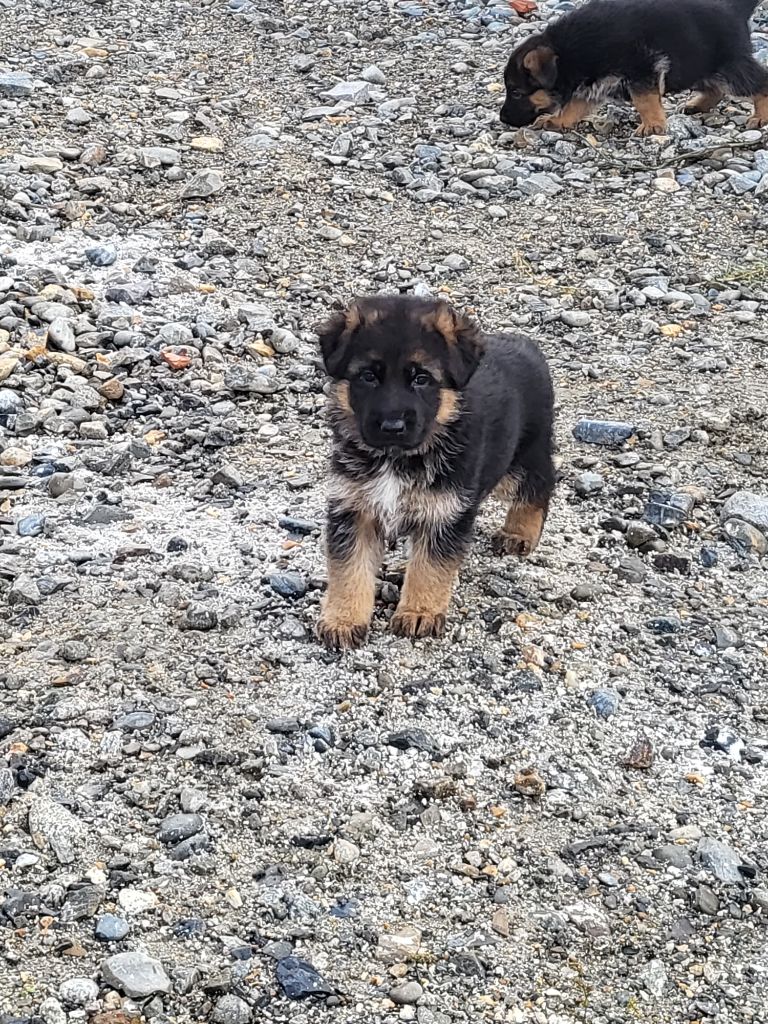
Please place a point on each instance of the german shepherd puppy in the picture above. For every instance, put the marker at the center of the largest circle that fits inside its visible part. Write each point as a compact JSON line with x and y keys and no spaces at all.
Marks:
{"x":429,"y":416}
{"x":638,"y":50}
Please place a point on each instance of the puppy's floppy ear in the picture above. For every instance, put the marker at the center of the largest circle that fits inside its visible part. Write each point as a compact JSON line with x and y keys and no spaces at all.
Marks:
{"x":463,"y":341}
{"x":336,"y":339}
{"x":541,"y":65}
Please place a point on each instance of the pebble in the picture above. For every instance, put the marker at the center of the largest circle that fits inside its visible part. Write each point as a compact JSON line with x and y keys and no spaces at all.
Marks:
{"x":31,"y":526}
{"x":202,"y":185}
{"x":101,"y":255}
{"x":176,"y":827}
{"x":288,"y":584}
{"x":744,"y":538}
{"x":78,"y":992}
{"x":57,"y":827}
{"x":299,"y":980}
{"x":135,"y":975}
{"x":588,"y":484}
{"x":407,"y":994}
{"x":231,"y":1009}
{"x":16,"y":83}
{"x":719,"y":858}
{"x":111,"y":928}
{"x":605,"y":702}
{"x":746,"y":505}
{"x":604,"y":432}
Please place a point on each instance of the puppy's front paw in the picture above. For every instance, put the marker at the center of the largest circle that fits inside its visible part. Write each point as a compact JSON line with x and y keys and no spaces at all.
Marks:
{"x":504,"y":543}
{"x":657,"y":128}
{"x":340,"y":635}
{"x":550,"y":124}
{"x":406,"y":622}
{"x":757,"y":122}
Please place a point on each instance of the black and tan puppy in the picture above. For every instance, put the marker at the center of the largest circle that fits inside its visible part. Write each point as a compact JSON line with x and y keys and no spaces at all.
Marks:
{"x":638,"y":50}
{"x":429,"y":416}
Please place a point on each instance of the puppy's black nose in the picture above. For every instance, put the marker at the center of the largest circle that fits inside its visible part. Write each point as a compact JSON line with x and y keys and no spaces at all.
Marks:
{"x":393,"y":427}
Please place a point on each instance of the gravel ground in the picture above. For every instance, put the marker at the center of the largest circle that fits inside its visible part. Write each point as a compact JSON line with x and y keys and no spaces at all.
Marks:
{"x":556,"y":814}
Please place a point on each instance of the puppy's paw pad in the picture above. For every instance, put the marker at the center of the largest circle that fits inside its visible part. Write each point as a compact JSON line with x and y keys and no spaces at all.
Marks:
{"x":504,"y":543}
{"x":341,"y":636}
{"x":412,"y":623}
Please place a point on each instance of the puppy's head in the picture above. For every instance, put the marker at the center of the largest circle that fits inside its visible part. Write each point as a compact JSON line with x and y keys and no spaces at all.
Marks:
{"x":399,"y":365}
{"x":530,"y":79}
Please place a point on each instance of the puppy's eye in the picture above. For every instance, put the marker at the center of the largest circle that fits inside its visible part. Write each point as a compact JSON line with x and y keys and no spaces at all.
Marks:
{"x":421,"y":380}
{"x":367,"y":377}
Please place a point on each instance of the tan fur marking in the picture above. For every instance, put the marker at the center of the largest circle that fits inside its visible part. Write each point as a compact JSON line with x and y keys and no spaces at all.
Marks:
{"x":341,"y":394}
{"x":521,"y":530}
{"x":760,"y":117}
{"x":448,"y":409}
{"x":348,"y":603}
{"x":353,"y":317}
{"x":704,"y":101}
{"x":535,"y":60}
{"x":506,"y":489}
{"x":443,"y":320}
{"x":573,"y":112}
{"x":426,"y":595}
{"x":541,"y":99}
{"x":653,"y":119}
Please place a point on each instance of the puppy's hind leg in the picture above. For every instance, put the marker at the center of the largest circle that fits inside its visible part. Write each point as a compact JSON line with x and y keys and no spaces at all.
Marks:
{"x":527,"y":488}
{"x":747,"y":77}
{"x":705,"y":99}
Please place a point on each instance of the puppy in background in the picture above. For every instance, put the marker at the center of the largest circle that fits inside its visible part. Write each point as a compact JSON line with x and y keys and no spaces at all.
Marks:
{"x":639,"y":50}
{"x":429,"y":416}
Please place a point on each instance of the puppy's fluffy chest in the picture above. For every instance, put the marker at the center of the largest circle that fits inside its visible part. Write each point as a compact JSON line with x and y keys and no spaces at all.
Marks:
{"x":399,"y":504}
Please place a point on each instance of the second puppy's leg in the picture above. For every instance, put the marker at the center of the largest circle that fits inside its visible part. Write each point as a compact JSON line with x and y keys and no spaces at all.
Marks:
{"x":435,"y":561}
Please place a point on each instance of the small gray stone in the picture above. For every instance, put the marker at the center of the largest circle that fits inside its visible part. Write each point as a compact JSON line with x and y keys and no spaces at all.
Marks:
{"x":407,"y":994}
{"x":719,"y":858}
{"x":706,"y":901}
{"x":176,"y":827}
{"x":202,"y":185}
{"x":231,"y":1009}
{"x":58,"y":827}
{"x":111,"y":928}
{"x":135,"y":975}
{"x":677,"y":856}
{"x":16,"y":83}
{"x":745,"y":538}
{"x":455,"y":261}
{"x":355,"y":92}
{"x":588,"y":484}
{"x":78,"y":991}
{"x":749,"y":506}
{"x":576,"y":318}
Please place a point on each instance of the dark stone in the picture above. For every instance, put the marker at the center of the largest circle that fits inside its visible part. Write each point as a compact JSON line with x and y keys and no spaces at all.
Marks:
{"x":300,"y":526}
{"x":299,"y":979}
{"x":190,"y":928}
{"x":407,"y":739}
{"x":667,"y":508}
{"x":665,"y":561}
{"x":605,"y":702}
{"x":288,"y":584}
{"x":177,"y":827}
{"x":101,"y":255}
{"x":605,"y":432}
{"x":81,"y":903}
